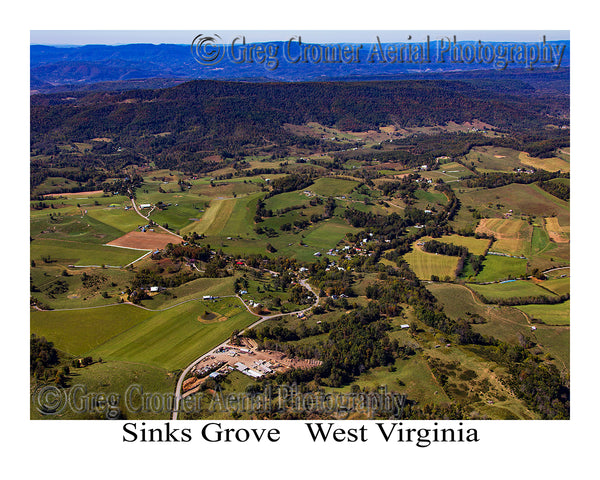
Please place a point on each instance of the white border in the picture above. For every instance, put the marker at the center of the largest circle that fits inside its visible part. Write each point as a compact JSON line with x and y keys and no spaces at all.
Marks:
{"x":94,"y":450}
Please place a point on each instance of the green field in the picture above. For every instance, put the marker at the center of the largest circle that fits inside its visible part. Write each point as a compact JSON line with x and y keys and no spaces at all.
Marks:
{"x":327,"y":234}
{"x":556,"y":341}
{"x":194,"y":289}
{"x":78,"y":331}
{"x":332,"y":187}
{"x":241,"y":220}
{"x":417,"y":382}
{"x":497,"y":267}
{"x":431,"y":197}
{"x":560,"y":286}
{"x":214,"y":219}
{"x":119,"y":381}
{"x":286,"y":200}
{"x":517,"y":288}
{"x":505,"y":323}
{"x":49,"y":282}
{"x":73,"y":228}
{"x":119,"y":218}
{"x":174,"y":338}
{"x":550,"y":314}
{"x":77,"y":253}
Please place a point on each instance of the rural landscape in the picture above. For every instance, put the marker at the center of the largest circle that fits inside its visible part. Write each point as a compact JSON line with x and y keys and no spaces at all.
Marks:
{"x":212,"y":238}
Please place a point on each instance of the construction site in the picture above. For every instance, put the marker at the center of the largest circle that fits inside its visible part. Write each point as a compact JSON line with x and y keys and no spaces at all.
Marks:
{"x":245,"y":358}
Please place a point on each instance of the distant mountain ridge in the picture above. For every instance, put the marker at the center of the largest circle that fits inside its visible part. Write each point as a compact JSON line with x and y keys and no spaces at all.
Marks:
{"x":130,"y":66}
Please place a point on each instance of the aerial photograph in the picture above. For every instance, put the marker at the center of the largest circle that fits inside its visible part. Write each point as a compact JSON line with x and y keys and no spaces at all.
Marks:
{"x":311,"y":225}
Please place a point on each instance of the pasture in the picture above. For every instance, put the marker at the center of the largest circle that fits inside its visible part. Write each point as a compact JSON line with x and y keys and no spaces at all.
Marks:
{"x":558,"y":314}
{"x":104,"y":288}
{"x":560,"y":286}
{"x":523,"y":199}
{"x":117,"y":378}
{"x":494,"y":159}
{"x":191,"y":290}
{"x":119,"y":218}
{"x":83,"y":229}
{"x":332,"y":187}
{"x":76,"y":332}
{"x":417,"y":381}
{"x":497,"y":267}
{"x":78,"y":253}
{"x":504,"y":323}
{"x":430,"y":197}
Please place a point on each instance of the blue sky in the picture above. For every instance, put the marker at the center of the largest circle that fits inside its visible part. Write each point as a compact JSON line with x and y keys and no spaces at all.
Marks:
{"x":119,"y":37}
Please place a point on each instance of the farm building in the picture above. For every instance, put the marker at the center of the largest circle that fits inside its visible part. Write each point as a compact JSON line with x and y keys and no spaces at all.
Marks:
{"x":145,"y":205}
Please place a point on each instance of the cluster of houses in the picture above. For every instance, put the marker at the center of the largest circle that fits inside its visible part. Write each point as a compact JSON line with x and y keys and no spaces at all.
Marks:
{"x":144,"y":228}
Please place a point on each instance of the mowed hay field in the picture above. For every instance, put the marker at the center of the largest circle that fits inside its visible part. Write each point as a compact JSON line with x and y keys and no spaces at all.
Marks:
{"x":557,"y":232}
{"x":427,"y":264}
{"x":551,"y":164}
{"x":214,"y":219}
{"x":173,"y":338}
{"x":513,"y":236}
{"x":476,"y":246}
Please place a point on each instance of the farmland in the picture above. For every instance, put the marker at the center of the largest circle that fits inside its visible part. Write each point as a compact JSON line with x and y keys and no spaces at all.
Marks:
{"x":185,"y":234}
{"x":173,"y":338}
{"x":513,"y":236}
{"x":512,"y":289}
{"x":79,"y":331}
{"x":549,"y":314}
{"x":425,"y":265}
{"x":78,"y":253}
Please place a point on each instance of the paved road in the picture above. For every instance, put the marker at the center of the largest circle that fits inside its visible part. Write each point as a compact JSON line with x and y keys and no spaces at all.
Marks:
{"x":262,"y":318}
